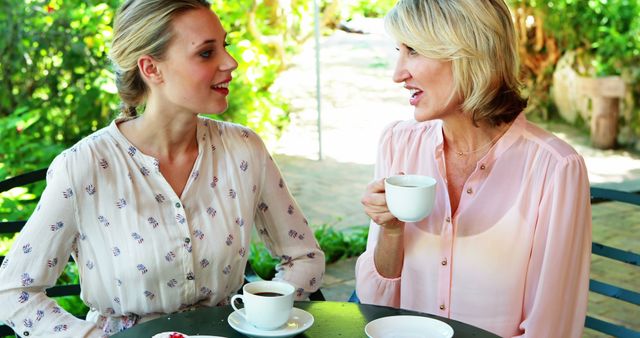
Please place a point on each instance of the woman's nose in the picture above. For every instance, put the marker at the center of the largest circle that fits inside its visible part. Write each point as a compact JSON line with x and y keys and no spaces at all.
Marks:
{"x":229,"y":64}
{"x":400,"y":73}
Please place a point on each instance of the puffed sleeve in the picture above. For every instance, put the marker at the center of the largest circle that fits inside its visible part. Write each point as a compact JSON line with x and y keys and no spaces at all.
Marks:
{"x":36,"y":260}
{"x":558,"y":276}
{"x":286,"y":233}
{"x":371,"y":287}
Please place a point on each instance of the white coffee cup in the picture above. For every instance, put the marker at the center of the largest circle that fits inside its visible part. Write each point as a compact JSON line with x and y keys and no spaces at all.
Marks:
{"x":410,"y":197}
{"x":267,"y":304}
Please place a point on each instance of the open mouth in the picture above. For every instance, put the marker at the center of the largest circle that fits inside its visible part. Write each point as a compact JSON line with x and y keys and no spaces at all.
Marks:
{"x":416,"y":94}
{"x":222,"y":88}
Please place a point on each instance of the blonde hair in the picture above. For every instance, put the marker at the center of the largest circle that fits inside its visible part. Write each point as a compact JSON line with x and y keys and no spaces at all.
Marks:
{"x":142,"y":27}
{"x":479,"y":39}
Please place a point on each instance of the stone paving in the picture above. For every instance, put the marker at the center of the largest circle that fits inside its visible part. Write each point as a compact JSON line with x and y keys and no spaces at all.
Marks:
{"x":358,"y":100}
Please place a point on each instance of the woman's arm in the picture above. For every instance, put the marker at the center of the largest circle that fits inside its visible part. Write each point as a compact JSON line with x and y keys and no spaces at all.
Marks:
{"x":36,"y":260}
{"x":286,"y":233}
{"x":379,"y":268}
{"x":558,"y":276}
{"x":389,"y":248}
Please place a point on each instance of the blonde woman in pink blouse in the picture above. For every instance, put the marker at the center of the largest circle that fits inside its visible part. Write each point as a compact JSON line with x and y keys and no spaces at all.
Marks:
{"x":507,"y":247}
{"x":157,"y":208}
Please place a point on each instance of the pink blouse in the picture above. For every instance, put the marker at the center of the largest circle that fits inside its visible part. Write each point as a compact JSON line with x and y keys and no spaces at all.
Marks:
{"x":514,"y":259}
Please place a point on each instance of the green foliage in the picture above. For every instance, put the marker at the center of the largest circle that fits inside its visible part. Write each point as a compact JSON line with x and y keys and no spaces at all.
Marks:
{"x":606,"y":32}
{"x":252,"y":32}
{"x":73,"y":304}
{"x":370,"y":8}
{"x":338,"y":244}
{"x":262,"y":262}
{"x":19,"y":203}
{"x":335,"y":244}
{"x":55,"y":84}
{"x":605,"y":36}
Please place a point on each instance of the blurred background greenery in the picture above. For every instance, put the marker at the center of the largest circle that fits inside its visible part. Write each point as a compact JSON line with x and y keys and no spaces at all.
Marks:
{"x":56,"y":82}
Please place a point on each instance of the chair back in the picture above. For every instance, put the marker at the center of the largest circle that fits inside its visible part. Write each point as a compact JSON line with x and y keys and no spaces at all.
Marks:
{"x":599,"y":195}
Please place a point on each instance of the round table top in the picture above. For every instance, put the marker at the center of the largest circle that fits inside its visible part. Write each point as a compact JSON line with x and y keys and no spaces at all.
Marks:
{"x":331,"y":319}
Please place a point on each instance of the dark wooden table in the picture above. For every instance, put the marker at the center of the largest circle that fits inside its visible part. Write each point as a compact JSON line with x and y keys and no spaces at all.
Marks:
{"x":331,"y":319}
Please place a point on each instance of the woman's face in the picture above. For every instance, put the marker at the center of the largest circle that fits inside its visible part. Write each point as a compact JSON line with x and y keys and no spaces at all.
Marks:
{"x":430,"y":84}
{"x":196,"y":70}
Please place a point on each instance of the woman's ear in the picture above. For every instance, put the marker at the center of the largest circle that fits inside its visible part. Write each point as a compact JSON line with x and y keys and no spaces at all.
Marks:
{"x":149,"y":69}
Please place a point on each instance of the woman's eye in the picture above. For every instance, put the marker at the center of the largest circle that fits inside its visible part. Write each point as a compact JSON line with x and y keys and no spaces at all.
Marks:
{"x":226,"y":44}
{"x":411,"y":51}
{"x":206,"y":54}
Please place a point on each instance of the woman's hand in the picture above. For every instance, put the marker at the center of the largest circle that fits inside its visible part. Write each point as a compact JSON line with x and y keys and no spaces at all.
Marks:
{"x":389,"y":250}
{"x":375,"y":206}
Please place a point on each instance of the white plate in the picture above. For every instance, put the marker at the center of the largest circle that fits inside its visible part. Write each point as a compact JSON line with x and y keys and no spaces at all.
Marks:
{"x":408,"y":327}
{"x":298,"y":322}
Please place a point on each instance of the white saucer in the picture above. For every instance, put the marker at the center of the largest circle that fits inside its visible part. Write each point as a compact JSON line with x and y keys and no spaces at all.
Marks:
{"x":298,"y":322}
{"x":168,"y":334}
{"x":408,"y":327}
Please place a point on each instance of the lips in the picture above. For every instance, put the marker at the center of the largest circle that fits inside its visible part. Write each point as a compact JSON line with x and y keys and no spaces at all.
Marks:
{"x":222,"y":87}
{"x":416,"y":94}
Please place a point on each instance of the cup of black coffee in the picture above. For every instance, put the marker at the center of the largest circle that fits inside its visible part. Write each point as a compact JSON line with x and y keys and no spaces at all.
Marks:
{"x":267,"y":304}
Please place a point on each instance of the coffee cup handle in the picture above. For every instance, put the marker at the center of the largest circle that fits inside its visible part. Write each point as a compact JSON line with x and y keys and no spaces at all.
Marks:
{"x":233,"y":305}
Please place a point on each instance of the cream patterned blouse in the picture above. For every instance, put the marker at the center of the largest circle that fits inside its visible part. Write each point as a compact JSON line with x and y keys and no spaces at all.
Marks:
{"x":142,"y":250}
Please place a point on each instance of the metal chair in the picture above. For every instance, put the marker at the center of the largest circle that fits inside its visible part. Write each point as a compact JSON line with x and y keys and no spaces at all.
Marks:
{"x":599,"y":195}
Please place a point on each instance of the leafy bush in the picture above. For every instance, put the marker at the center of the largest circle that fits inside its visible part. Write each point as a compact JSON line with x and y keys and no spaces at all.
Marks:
{"x":370,"y":8}
{"x":73,"y":304}
{"x":336,"y":245}
{"x":604,"y":34}
{"x":55,"y":84}
{"x":262,"y":262}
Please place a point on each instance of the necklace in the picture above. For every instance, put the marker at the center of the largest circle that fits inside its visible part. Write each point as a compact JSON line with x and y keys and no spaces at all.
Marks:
{"x":490,"y":143}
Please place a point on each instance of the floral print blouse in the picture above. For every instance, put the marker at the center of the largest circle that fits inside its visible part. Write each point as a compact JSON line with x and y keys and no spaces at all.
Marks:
{"x":142,"y":251}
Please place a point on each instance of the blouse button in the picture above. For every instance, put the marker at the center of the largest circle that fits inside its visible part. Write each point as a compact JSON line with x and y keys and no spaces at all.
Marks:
{"x":444,"y":262}
{"x":177,"y":204}
{"x":442,"y":307}
{"x":190,"y":277}
{"x":483,"y":167}
{"x":187,"y":240}
{"x":25,"y":333}
{"x":469,"y":191}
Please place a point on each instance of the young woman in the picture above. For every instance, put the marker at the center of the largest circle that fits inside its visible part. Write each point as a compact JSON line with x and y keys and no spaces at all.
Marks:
{"x":507,"y":246}
{"x":157,"y":209}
